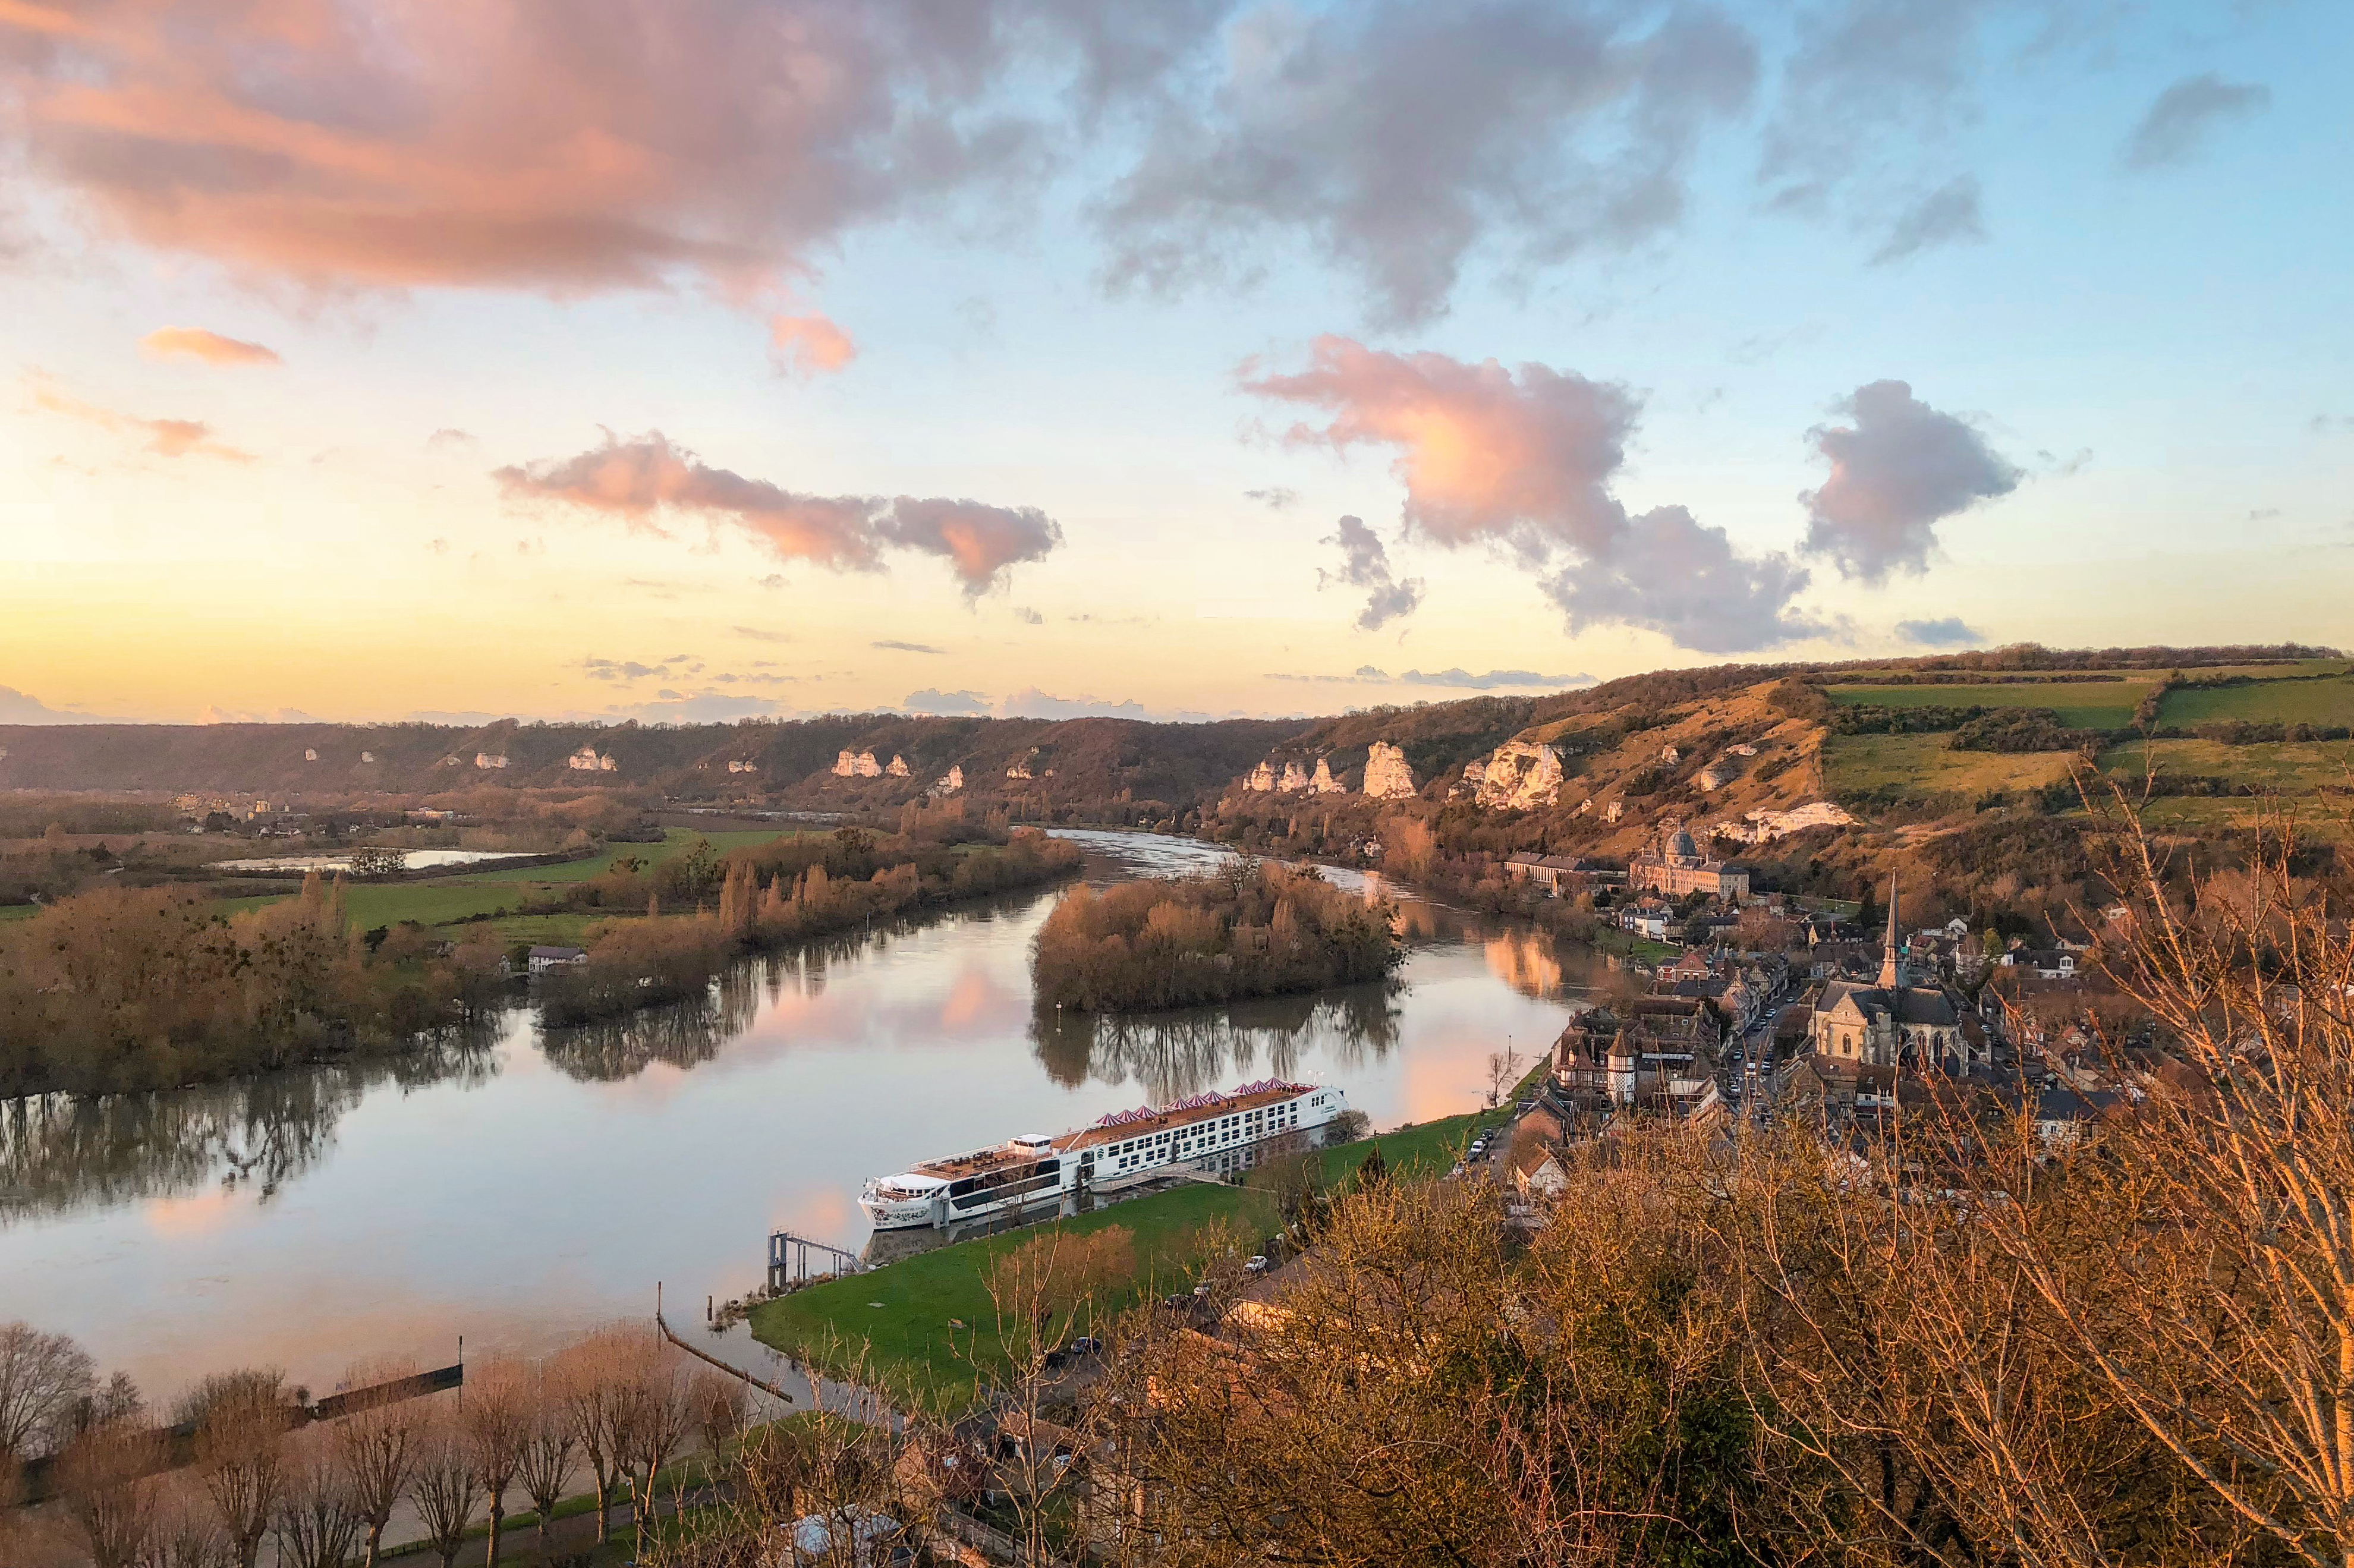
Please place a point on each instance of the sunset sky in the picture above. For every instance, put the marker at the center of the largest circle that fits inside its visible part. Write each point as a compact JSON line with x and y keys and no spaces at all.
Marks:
{"x":714,"y":358}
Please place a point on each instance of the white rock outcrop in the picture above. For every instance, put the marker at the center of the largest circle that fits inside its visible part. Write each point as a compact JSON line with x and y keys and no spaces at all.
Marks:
{"x":588,"y":759}
{"x":947,"y":784}
{"x":1521,"y":773}
{"x":1388,"y":776}
{"x":1766,"y":825}
{"x":1261,"y":780}
{"x":364,"y":756}
{"x":849,"y":764}
{"x":310,"y":754}
{"x":737,"y":765}
{"x":485,"y":759}
{"x":898,"y":769}
{"x":1295,"y":779}
{"x":1324,"y":783}
{"x":1713,"y":777}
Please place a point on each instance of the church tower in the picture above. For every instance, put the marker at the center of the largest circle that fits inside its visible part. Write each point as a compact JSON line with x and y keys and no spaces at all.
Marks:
{"x":1892,"y":977}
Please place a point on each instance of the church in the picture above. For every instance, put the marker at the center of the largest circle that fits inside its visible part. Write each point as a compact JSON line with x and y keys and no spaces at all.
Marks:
{"x":1891,"y":1022}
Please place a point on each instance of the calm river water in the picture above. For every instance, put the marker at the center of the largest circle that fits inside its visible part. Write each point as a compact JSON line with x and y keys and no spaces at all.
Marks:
{"x":516,"y":1189}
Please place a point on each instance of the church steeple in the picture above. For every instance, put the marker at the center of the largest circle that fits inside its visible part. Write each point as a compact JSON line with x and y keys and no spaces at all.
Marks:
{"x":1892,"y":970}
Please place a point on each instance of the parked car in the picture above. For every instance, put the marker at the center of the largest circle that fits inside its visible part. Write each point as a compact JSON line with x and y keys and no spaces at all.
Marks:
{"x":1254,"y":1265}
{"x":1084,"y":1345}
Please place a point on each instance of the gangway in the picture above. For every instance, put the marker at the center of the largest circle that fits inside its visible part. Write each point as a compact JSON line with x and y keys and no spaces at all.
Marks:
{"x":789,"y":1260}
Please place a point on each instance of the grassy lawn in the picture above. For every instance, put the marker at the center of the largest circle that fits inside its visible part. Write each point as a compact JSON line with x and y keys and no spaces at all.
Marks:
{"x":18,"y":911}
{"x":2084,"y":705}
{"x":904,"y":1315}
{"x":1920,"y":764}
{"x":2328,"y":702}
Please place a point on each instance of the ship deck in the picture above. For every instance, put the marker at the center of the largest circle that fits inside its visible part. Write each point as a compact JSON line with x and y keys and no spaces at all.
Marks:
{"x":982,"y":1161}
{"x":1088,"y":1138}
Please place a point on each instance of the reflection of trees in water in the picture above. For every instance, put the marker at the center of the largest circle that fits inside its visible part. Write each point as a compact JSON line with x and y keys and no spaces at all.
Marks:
{"x":59,"y":1152}
{"x":681,"y":1033}
{"x":1174,"y":1054}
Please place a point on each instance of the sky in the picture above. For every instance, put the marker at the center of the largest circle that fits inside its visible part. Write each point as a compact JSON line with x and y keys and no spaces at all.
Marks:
{"x":710,"y":358}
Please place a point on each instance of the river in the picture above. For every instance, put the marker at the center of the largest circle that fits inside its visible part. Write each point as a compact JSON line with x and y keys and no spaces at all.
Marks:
{"x":518,"y":1188}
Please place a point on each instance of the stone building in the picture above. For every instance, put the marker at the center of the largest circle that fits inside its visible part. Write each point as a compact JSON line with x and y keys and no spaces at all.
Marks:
{"x":1891,"y":1022}
{"x":1679,"y":868}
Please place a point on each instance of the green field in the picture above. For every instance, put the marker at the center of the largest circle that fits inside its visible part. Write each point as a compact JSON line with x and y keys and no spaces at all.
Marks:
{"x":904,"y":1315}
{"x":18,"y":911}
{"x":445,"y":899}
{"x":1917,"y":764}
{"x":2329,"y":701}
{"x":2084,"y":705}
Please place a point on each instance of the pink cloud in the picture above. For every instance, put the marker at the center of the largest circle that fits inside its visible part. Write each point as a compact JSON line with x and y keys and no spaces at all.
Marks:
{"x":1527,"y":458}
{"x":555,"y":146}
{"x":810,"y":344}
{"x":195,"y":342}
{"x":648,"y":478}
{"x":1484,"y":453}
{"x":166,"y":438}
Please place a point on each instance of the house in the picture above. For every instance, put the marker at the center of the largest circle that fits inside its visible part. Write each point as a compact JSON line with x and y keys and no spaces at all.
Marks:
{"x":2049,"y":963}
{"x":1547,"y":871}
{"x":1537,"y":1173}
{"x":544,"y":959}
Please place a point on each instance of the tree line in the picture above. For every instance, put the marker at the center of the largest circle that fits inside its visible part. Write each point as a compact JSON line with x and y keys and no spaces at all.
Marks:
{"x":241,"y":1460}
{"x":779,"y":893}
{"x":1251,"y":929}
{"x":129,"y":989}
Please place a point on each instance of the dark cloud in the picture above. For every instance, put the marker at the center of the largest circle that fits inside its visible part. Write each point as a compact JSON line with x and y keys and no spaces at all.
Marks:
{"x":1526,"y":459}
{"x":1275,"y":498}
{"x":1493,"y":679}
{"x":648,"y":478}
{"x":1455,"y":680}
{"x":1950,"y":632}
{"x":1896,"y":470}
{"x":1947,"y":215}
{"x":2067,"y":467}
{"x":1027,"y":616}
{"x":2178,"y":118}
{"x":1671,"y":575}
{"x":929,"y":701}
{"x":1396,"y":139}
{"x":1032,"y":702}
{"x":23,"y":707}
{"x":1365,"y":564}
{"x":894,"y":646}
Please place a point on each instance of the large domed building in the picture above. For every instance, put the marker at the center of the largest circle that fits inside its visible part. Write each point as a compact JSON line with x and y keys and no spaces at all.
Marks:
{"x":1679,"y":868}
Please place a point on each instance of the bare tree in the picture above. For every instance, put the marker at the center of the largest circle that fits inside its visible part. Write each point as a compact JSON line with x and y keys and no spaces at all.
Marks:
{"x":187,"y":1533}
{"x":240,"y":1434}
{"x":494,"y":1412}
{"x":551,"y":1447}
{"x":316,"y":1521}
{"x":42,"y":1378}
{"x":660,"y":1411}
{"x":443,"y":1489}
{"x":592,"y":1376}
{"x":106,"y":1478}
{"x":2217,"y":1303}
{"x":376,"y":1444}
{"x":723,"y":1409}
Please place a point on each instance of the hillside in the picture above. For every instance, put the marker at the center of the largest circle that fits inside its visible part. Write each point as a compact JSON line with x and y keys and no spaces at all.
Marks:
{"x":1727,"y":749}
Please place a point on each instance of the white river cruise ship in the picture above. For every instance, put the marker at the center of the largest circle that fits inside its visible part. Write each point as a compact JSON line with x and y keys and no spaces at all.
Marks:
{"x":1119,"y":1150}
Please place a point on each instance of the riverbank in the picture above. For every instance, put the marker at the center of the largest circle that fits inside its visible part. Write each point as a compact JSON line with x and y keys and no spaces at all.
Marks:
{"x":920,"y":1327}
